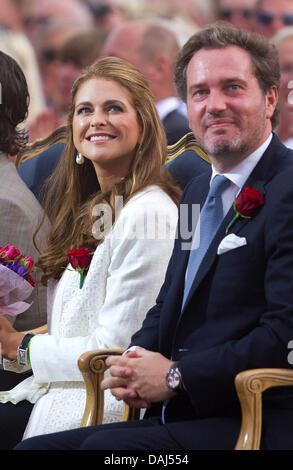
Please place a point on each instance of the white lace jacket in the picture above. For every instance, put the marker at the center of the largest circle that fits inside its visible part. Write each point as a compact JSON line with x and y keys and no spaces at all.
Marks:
{"x":124,"y":278}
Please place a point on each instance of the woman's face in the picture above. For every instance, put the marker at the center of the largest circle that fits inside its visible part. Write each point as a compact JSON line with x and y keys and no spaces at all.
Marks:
{"x":105,"y":125}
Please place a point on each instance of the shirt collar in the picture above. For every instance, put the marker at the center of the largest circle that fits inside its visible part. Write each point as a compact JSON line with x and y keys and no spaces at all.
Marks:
{"x":166,"y":106}
{"x":239,"y":174}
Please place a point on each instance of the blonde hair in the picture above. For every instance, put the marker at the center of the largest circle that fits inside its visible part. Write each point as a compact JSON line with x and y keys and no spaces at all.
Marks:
{"x":74,"y":188}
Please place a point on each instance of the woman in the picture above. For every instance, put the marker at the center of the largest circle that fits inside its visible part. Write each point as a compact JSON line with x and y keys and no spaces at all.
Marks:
{"x":114,"y":154}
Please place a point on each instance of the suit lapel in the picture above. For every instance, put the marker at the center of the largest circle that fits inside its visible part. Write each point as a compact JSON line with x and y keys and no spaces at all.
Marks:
{"x":266,"y":168}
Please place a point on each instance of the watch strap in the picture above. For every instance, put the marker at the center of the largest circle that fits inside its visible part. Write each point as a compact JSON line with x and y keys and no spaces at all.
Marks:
{"x":23,"y":350}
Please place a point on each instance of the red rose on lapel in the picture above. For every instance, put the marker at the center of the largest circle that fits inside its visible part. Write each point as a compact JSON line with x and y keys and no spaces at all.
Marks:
{"x":248,"y":201}
{"x":246,"y":204}
{"x":80,"y":260}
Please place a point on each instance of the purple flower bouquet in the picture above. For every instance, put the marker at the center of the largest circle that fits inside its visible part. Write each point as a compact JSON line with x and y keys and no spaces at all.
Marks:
{"x":16,"y":283}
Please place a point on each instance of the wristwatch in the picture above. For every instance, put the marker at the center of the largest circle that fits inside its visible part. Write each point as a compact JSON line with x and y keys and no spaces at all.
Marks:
{"x":22,"y":351}
{"x":174,"y":378}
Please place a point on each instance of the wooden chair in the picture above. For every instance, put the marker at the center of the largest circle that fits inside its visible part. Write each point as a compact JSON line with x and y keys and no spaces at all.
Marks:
{"x":250,"y":385}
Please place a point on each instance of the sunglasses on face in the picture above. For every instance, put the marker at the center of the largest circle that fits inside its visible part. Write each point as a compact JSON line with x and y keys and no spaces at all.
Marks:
{"x":267,"y":18}
{"x":227,"y":14}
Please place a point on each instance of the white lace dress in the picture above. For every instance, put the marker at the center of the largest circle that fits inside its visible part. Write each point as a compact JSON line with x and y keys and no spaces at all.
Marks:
{"x":124,"y":278}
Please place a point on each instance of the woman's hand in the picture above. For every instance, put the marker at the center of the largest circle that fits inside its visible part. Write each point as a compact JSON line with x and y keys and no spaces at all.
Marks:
{"x":10,"y":339}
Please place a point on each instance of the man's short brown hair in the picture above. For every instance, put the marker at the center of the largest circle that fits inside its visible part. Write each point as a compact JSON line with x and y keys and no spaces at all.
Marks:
{"x":263,"y":54}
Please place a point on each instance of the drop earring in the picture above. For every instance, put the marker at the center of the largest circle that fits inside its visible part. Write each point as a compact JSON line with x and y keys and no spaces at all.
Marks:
{"x":79,"y":158}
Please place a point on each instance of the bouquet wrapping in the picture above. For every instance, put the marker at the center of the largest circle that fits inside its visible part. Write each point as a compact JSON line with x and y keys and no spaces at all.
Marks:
{"x":16,"y":282}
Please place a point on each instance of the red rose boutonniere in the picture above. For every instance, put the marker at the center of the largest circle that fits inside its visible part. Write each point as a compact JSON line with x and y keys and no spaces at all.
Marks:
{"x":80,"y":260}
{"x":246,"y":204}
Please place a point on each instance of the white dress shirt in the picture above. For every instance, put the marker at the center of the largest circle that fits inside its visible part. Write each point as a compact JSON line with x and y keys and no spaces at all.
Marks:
{"x":239,"y":174}
{"x":168,"y":105}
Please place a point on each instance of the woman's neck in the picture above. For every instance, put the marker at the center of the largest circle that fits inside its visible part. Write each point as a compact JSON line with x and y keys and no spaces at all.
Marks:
{"x":107,"y":181}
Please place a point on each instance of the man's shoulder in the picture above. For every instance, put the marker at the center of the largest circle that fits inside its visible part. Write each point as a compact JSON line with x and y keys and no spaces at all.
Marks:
{"x":176,"y":126}
{"x":276,"y":165}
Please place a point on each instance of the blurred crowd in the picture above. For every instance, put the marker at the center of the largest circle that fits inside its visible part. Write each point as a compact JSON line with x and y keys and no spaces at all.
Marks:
{"x":54,"y":40}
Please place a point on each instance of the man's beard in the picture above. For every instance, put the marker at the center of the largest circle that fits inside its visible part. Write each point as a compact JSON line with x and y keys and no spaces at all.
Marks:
{"x":222,"y":147}
{"x":240,"y":145}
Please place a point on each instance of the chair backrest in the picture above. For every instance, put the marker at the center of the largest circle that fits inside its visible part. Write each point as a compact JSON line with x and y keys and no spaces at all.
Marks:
{"x":40,"y":145}
{"x":186,"y":159}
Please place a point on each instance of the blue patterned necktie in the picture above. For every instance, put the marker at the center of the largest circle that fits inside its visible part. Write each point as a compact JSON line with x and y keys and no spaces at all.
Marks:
{"x":211,"y":217}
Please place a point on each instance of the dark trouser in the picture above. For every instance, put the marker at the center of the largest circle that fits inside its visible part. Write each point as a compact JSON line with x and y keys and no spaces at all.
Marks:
{"x":205,"y":434}
{"x":147,"y":434}
{"x":13,"y":418}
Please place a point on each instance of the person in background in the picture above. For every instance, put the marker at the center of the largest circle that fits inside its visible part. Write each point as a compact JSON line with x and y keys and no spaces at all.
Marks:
{"x":16,"y":44}
{"x":240,"y":13}
{"x":284,"y":43}
{"x":48,"y":24}
{"x":200,"y":13}
{"x":109,"y":14}
{"x":75,"y":53}
{"x":11,"y":15}
{"x":38,"y":15}
{"x":112,"y":164}
{"x":20,"y":212}
{"x":271,"y":15}
{"x":152,"y":48}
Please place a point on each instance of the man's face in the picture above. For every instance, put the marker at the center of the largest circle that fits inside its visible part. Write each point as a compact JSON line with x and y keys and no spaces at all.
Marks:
{"x":124,"y":44}
{"x":274,"y":15}
{"x":228,"y":112}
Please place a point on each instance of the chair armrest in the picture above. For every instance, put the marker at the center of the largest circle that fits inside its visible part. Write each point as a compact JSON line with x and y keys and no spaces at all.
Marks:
{"x":92,"y":365}
{"x":41,"y":330}
{"x":250,"y":385}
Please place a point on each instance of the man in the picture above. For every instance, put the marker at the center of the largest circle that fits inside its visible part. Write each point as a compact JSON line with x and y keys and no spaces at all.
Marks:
{"x":152,"y":48}
{"x":235,"y":311}
{"x":271,"y":16}
{"x":240,"y":13}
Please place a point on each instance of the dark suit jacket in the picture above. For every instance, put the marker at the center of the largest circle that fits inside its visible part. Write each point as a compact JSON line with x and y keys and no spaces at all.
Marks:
{"x":239,"y":313}
{"x":37,"y":169}
{"x":176,"y":126}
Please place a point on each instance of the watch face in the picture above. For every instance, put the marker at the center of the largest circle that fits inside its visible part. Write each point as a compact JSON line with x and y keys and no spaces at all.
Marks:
{"x":173,"y":378}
